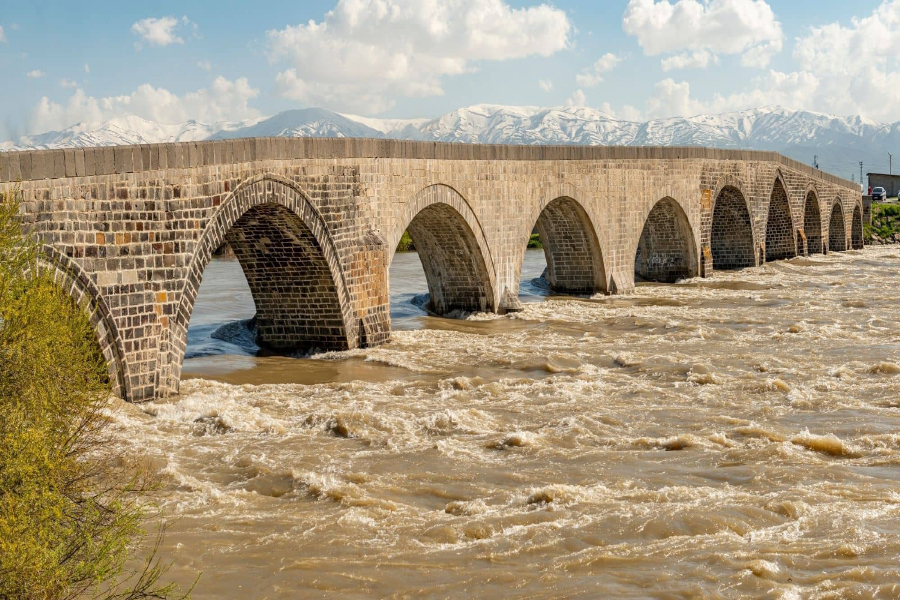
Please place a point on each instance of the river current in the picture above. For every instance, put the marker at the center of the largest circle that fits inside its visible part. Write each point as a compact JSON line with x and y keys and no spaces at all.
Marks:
{"x":721,"y":437}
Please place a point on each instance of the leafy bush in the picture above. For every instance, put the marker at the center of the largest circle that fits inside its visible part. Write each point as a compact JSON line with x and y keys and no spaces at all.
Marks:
{"x":535,"y":241}
{"x":71,"y":508}
{"x":406,"y":243}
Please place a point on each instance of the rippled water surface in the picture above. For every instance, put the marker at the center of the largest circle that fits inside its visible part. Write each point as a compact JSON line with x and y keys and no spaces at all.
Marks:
{"x":737,"y":435}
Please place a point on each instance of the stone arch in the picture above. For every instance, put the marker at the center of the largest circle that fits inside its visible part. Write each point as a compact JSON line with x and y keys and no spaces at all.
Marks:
{"x":666,"y":250}
{"x":454,"y":252}
{"x":731,"y":232}
{"x":571,"y":247}
{"x":812,"y":224}
{"x":291,"y":264}
{"x":71,"y":278}
{"x":780,"y":240}
{"x":856,"y":229}
{"x":837,"y":232}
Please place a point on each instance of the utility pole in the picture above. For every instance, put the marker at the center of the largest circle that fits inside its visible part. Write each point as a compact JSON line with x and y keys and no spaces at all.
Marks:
{"x":860,"y":173}
{"x":890,"y":164}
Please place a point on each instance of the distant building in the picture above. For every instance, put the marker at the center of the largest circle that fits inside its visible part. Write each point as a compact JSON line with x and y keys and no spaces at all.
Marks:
{"x":891,"y":183}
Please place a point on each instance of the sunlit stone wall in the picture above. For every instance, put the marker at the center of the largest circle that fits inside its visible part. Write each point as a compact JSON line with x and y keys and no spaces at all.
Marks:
{"x":315,"y":224}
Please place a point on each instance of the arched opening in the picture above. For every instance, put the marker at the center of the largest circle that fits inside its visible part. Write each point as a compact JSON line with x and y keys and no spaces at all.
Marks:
{"x":812,"y":225}
{"x":284,"y":249}
{"x":571,"y":249}
{"x":731,"y":235}
{"x":780,"y":240}
{"x":457,"y":276}
{"x":856,"y":229}
{"x":297,"y":302}
{"x":837,"y":233}
{"x":666,"y":251}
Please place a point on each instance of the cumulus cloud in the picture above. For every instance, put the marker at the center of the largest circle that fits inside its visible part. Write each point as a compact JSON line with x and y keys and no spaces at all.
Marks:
{"x":162,"y":31}
{"x":594,"y":74}
{"x":690,"y":60}
{"x":795,"y":90}
{"x":546,"y":85}
{"x":224,"y":100}
{"x":856,"y":63}
{"x":578,"y":99}
{"x":35,"y":74}
{"x":87,"y":68}
{"x":366,"y":53}
{"x":746,"y":27}
{"x":2,"y":35}
{"x":205,"y":65}
{"x":68,"y":83}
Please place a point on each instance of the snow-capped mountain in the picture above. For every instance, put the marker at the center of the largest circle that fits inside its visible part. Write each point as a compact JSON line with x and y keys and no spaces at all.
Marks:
{"x":838,"y":142}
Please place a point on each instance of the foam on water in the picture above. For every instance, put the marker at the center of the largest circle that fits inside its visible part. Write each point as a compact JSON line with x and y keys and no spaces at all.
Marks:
{"x":732,"y":436}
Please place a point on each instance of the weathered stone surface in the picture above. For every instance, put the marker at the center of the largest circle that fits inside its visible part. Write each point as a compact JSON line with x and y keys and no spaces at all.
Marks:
{"x":315,"y":224}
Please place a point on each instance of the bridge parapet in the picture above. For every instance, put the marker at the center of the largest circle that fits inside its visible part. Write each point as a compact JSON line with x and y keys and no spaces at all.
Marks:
{"x":314,"y":223}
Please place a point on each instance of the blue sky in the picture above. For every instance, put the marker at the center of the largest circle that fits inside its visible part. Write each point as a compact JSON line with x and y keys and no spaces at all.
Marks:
{"x":637,"y":59}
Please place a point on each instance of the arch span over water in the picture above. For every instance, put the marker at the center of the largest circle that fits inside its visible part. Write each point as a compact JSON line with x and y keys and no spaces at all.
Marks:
{"x":837,"y":232}
{"x":453,"y":250}
{"x":288,"y":257}
{"x":573,"y":253}
{"x":780,"y":239}
{"x":731,"y":234}
{"x":812,"y":224}
{"x":666,"y":250}
{"x":856,"y":229}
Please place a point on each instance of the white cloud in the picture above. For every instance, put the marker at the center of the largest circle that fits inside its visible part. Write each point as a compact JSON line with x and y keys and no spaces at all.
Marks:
{"x":546,"y":85}
{"x":2,"y":35}
{"x":366,"y":53}
{"x":224,"y":100}
{"x":578,"y":99}
{"x":35,"y":74}
{"x":205,"y":65}
{"x":68,"y":83}
{"x":87,"y":68}
{"x":856,"y":63}
{"x":594,"y":74}
{"x":746,"y":27}
{"x":700,"y":59}
{"x":797,"y":90}
{"x":161,"y":31}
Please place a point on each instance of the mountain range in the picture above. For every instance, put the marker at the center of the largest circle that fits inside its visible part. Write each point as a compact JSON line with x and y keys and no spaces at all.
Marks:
{"x":836,"y":143}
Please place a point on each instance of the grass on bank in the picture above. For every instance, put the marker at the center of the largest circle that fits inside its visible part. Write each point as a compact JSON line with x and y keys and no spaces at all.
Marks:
{"x":72,"y":507}
{"x":885,"y":222}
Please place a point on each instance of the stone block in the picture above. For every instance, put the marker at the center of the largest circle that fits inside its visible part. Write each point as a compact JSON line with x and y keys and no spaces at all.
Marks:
{"x":69,"y":159}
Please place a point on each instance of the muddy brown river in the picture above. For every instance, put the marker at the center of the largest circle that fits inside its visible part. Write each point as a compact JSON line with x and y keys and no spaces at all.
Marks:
{"x":717,"y":438}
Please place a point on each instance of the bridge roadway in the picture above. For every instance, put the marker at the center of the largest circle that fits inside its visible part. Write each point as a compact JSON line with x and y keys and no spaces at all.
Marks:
{"x":129,"y":230}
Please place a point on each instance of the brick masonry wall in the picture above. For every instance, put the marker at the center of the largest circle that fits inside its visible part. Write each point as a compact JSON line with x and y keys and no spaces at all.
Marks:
{"x":666,"y":251}
{"x":137,"y":225}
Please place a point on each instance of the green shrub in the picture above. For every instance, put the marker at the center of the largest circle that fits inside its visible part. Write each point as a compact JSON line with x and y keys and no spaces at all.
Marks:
{"x":406,"y":243}
{"x":71,"y":508}
{"x":535,"y":241}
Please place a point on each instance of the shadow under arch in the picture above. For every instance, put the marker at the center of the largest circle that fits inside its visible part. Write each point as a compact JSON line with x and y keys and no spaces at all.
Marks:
{"x":856,"y":229}
{"x":780,"y":239}
{"x":667,"y":249}
{"x":453,"y":250}
{"x":71,"y":278}
{"x":812,"y":224}
{"x":571,"y":247}
{"x":731,"y":231}
{"x":837,"y":232}
{"x":291,"y":265}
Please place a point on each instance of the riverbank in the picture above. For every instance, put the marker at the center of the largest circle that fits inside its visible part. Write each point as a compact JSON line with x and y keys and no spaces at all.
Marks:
{"x":885,"y":227}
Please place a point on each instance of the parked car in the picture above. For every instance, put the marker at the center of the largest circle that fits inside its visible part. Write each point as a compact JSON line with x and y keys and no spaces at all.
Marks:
{"x":878,"y":194}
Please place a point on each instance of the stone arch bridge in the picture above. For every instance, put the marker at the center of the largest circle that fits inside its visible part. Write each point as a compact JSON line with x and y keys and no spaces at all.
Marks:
{"x":129,"y":230}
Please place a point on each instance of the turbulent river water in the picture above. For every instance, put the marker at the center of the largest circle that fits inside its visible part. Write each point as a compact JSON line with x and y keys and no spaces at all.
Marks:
{"x":737,"y":435}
